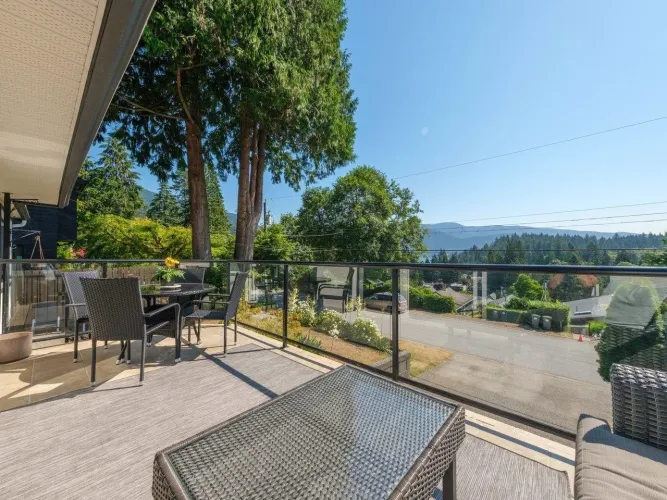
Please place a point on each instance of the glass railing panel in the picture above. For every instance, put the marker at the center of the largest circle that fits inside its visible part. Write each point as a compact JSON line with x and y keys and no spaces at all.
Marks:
{"x":537,"y":345}
{"x":328,"y":312}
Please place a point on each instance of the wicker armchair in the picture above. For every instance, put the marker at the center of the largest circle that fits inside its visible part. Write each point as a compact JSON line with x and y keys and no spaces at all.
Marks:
{"x":116,"y":313}
{"x":227,"y":312}
{"x":76,"y":302}
{"x":191,"y":275}
{"x":630,"y":462}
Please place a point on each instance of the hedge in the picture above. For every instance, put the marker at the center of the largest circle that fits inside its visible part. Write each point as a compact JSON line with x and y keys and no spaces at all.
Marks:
{"x":559,"y":313}
{"x":428,"y":300}
{"x":511,"y":315}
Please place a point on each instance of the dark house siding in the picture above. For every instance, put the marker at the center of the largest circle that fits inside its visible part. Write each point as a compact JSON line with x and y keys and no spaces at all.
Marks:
{"x":54,"y":224}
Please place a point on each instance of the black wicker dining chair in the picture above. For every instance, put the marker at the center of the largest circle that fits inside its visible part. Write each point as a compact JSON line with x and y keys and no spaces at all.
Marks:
{"x":76,"y":302}
{"x":229,"y":308}
{"x":116,"y":312}
{"x":191,"y":275}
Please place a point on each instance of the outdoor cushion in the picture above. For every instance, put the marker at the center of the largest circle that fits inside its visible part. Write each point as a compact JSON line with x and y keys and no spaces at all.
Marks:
{"x":613,"y":467}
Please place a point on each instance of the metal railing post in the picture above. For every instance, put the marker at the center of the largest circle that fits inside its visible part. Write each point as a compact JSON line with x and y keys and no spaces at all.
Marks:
{"x":5,"y":299}
{"x":104,"y":270}
{"x":285,"y":302}
{"x":394,"y":323}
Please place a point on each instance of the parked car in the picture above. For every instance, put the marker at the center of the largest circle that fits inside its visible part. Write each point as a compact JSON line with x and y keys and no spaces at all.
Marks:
{"x":382,"y":301}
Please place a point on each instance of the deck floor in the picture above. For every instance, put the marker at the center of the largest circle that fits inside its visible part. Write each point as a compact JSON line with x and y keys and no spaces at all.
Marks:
{"x":99,"y":443}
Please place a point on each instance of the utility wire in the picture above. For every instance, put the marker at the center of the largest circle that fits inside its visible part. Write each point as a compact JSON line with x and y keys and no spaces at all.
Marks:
{"x":563,"y":211}
{"x":571,"y":139}
{"x":472,"y":230}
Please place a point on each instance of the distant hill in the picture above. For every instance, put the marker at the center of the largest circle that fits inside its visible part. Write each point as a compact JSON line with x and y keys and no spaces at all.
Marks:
{"x":149,"y":195}
{"x":453,"y":236}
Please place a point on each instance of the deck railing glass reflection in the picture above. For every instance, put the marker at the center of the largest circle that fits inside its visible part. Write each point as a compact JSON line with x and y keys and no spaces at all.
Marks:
{"x":532,"y":343}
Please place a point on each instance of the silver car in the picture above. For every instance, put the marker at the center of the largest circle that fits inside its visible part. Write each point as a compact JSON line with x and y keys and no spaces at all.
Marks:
{"x":382,"y":301}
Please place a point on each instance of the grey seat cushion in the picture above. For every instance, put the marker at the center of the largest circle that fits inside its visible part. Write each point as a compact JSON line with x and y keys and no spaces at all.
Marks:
{"x":612,"y":467}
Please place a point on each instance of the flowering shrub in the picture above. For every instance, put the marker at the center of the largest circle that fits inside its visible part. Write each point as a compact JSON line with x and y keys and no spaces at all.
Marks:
{"x":329,"y":321}
{"x":365,"y":331}
{"x":304,"y":310}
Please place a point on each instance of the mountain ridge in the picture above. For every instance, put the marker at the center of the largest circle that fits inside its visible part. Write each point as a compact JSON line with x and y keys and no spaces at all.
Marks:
{"x":455,"y":236}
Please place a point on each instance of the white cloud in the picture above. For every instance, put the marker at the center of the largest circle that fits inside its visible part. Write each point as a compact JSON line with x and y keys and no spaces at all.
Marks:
{"x":425,"y":131}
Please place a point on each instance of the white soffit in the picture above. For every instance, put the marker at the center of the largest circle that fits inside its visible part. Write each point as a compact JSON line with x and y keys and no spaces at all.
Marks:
{"x":46,"y":48}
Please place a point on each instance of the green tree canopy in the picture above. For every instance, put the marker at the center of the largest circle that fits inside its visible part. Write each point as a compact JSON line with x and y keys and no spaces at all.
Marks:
{"x":364,"y":217}
{"x":164,"y":208}
{"x":169,"y":107}
{"x":110,"y":183}
{"x":291,"y":107}
{"x":527,"y":288}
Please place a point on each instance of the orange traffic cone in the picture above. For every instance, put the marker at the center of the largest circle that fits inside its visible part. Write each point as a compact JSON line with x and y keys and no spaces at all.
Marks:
{"x":581,"y":339}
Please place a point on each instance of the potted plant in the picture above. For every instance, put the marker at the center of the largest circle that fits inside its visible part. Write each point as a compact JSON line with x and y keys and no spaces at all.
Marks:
{"x":166,"y":274}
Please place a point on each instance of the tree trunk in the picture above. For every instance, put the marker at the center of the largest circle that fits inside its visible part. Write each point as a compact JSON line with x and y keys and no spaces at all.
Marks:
{"x":251,"y":183}
{"x":201,"y":237}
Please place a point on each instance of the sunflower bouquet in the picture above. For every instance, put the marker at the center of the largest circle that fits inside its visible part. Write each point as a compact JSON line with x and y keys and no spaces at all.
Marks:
{"x":169,"y":271}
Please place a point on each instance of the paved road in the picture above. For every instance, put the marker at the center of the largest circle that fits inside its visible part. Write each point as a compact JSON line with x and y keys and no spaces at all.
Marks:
{"x":486,"y":339}
{"x":546,"y":377}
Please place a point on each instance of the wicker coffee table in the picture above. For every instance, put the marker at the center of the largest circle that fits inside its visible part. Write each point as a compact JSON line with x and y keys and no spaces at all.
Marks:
{"x":347,"y":434}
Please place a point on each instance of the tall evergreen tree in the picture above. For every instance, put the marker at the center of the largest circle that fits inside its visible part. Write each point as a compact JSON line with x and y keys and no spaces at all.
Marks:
{"x":180,"y":188}
{"x":217,"y":216}
{"x":164,"y":207}
{"x":110,"y":184}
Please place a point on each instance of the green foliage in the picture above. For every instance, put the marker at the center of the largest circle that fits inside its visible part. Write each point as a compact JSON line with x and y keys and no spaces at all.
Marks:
{"x":365,"y":331}
{"x":217,"y":215}
{"x":571,"y":288}
{"x":163,"y":273}
{"x":428,"y":300}
{"x":113,"y":237}
{"x":635,"y":330}
{"x":363,"y":217}
{"x":559,"y":313}
{"x":110,"y":184}
{"x":330,"y":322}
{"x":164,"y":208}
{"x":527,"y":288}
{"x":564,"y":248}
{"x":305,"y":312}
{"x":309,"y":340}
{"x":596,"y":326}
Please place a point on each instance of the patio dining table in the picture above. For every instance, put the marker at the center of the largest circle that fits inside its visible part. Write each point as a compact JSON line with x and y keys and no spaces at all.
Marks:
{"x":346,"y":434}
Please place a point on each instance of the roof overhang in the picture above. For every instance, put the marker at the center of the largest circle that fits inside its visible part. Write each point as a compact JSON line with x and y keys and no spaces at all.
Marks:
{"x":60,"y":65}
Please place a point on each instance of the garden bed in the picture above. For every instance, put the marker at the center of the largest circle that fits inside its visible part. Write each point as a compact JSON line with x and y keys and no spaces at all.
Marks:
{"x":422,"y":357}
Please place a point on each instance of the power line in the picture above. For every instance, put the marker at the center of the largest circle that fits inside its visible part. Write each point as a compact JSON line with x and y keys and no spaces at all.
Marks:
{"x":571,"y":139}
{"x":564,"y":211}
{"x":472,"y":230}
{"x":486,"y":230}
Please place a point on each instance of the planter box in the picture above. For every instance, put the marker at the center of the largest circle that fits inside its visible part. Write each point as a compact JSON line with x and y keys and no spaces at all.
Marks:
{"x":15,"y":346}
{"x":403,"y":364}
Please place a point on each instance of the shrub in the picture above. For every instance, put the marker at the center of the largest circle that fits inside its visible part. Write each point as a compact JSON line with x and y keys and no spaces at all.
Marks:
{"x":365,"y":331}
{"x":559,"y":313}
{"x":309,"y":340}
{"x":596,"y":326}
{"x":304,"y":310}
{"x":428,"y":300}
{"x":329,"y":322}
{"x":527,"y":287}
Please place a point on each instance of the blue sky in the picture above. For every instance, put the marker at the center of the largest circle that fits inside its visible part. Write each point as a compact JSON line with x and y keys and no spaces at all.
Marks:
{"x":442,"y":82}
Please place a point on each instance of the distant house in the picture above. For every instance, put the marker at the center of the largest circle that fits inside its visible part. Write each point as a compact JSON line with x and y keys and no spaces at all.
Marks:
{"x":588,"y":309}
